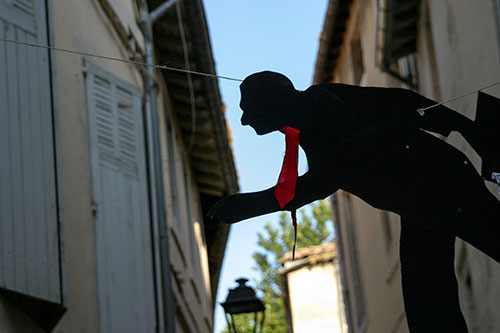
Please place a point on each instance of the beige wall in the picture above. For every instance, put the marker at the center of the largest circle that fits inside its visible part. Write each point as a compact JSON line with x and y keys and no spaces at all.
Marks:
{"x":128,"y":12}
{"x":466,"y":44}
{"x":81,"y":25}
{"x":457,"y":52}
{"x":379,"y":298}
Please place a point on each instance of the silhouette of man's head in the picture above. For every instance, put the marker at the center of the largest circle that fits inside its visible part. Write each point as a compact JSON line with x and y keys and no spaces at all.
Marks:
{"x":266,"y":98}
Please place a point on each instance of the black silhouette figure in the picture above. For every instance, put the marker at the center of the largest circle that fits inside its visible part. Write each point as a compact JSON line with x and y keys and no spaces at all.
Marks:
{"x":371,"y":142}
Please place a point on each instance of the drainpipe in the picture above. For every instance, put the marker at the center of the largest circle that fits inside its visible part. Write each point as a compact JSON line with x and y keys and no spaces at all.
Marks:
{"x":159,"y":214}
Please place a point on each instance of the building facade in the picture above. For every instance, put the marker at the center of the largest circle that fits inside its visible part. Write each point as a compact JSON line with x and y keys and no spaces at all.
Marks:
{"x":441,"y":49}
{"x":109,"y":167}
{"x":311,"y":290}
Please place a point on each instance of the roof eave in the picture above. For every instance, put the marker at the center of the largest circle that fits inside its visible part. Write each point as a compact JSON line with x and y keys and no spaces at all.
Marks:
{"x":331,"y":40}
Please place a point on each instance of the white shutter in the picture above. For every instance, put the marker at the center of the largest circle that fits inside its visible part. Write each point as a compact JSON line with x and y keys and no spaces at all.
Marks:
{"x":29,"y":237}
{"x":123,"y":235}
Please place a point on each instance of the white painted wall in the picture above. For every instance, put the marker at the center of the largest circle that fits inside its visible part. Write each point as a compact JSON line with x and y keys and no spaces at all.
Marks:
{"x":314,"y":299}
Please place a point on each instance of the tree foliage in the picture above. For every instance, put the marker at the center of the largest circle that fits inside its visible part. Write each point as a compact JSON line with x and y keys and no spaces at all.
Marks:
{"x":273,"y":243}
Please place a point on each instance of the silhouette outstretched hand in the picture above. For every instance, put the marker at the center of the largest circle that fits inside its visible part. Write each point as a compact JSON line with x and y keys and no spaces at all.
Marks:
{"x":225,"y":210}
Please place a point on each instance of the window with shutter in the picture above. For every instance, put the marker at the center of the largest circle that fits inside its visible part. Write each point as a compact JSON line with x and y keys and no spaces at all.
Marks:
{"x":119,"y":186}
{"x":30,"y":258}
{"x":115,"y":125}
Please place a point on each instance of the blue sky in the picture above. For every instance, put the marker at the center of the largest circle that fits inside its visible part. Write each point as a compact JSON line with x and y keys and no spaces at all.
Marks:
{"x":248,"y":37}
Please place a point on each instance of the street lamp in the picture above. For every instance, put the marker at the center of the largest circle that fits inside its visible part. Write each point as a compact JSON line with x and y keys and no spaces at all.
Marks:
{"x":242,"y":299}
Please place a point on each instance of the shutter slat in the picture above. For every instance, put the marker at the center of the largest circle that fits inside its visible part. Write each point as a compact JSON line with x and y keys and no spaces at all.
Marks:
{"x":15,"y":162}
{"x":52,"y":272}
{"x":104,"y":115}
{"x":38,"y":169}
{"x":6,"y":205}
{"x":127,"y":129}
{"x":26,"y":167}
{"x":19,"y":15}
{"x":26,"y":6}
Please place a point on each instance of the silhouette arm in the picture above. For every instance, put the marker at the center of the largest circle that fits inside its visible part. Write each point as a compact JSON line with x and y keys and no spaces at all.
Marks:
{"x":439,"y":119}
{"x":388,"y":107}
{"x":382,"y":106}
{"x":443,"y":120}
{"x":241,"y":206}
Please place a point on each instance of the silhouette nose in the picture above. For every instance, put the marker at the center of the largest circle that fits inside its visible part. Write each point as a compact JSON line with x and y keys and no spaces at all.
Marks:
{"x":244,"y":120}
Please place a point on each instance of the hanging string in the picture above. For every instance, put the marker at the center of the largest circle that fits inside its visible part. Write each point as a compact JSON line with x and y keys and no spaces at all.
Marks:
{"x":133,"y":62}
{"x":422,"y":110}
{"x":182,"y":70}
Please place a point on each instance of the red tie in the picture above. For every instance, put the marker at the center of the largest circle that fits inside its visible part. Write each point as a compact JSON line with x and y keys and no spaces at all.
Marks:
{"x":285,"y":189}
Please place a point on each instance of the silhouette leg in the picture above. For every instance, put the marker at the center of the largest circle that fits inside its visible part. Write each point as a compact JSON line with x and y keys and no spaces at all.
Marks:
{"x":430,"y":288}
{"x":481,"y":229}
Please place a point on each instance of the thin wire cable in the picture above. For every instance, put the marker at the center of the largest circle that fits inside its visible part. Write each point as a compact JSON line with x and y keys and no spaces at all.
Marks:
{"x":420,"y":110}
{"x":134,"y":62}
{"x":181,"y":70}
{"x":189,"y":79}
